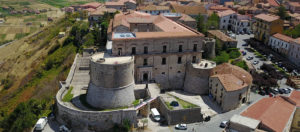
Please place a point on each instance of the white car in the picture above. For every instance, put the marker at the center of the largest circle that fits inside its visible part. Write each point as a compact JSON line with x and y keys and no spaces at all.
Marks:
{"x":224,"y":124}
{"x":41,"y":123}
{"x":181,"y":126}
{"x":63,"y":128}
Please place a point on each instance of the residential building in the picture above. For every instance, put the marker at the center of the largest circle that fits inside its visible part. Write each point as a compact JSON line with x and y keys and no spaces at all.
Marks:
{"x":274,"y":113}
{"x":294,"y":52}
{"x":161,"y":47}
{"x":243,"y":124}
{"x":280,"y":43}
{"x":294,"y":7}
{"x":121,"y":4}
{"x":223,"y":38}
{"x":265,"y":25}
{"x":229,"y":86}
{"x":154,"y":9}
{"x":226,"y":18}
{"x":93,"y":5}
{"x":191,"y":10}
{"x":182,"y":18}
{"x":96,"y":15}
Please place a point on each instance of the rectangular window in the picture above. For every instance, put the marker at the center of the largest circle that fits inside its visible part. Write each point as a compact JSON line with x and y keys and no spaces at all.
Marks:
{"x":145,"y":50}
{"x":163,"y":61}
{"x":195,"y":48}
{"x":145,"y":62}
{"x":164,"y":49}
{"x":194,"y":59}
{"x":179,"y":60}
{"x":133,"y":51}
{"x":180,"y":48}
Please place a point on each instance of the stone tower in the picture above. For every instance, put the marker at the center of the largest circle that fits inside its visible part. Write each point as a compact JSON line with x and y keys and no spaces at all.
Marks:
{"x":112,"y":81}
{"x":197,"y":77}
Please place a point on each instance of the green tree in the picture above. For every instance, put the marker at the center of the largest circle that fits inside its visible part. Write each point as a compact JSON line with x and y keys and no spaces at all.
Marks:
{"x":294,"y":33}
{"x":281,"y":12}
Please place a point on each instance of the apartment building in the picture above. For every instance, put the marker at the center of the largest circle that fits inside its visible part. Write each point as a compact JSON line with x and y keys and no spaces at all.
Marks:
{"x":265,"y":25}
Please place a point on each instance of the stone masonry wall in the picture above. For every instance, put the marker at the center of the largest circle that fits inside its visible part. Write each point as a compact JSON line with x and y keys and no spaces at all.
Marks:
{"x":81,"y":120}
{"x":173,"y":117}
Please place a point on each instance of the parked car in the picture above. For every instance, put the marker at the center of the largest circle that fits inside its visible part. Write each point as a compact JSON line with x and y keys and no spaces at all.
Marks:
{"x":249,"y":58}
{"x":155,"y":114}
{"x":281,"y":91}
{"x":255,"y":62}
{"x":41,"y":123}
{"x":262,"y":92}
{"x":286,"y":90}
{"x":274,"y":91}
{"x":181,"y":126}
{"x":245,"y":44}
{"x":174,"y":103}
{"x":63,"y":128}
{"x":224,"y":124}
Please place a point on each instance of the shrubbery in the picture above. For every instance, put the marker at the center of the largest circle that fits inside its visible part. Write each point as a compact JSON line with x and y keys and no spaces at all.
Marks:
{"x":23,"y":117}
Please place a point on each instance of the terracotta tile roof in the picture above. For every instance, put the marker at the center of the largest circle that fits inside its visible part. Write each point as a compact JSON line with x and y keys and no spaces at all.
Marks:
{"x":168,"y":27}
{"x":297,"y":40}
{"x":267,"y":17}
{"x":114,"y":3}
{"x":283,"y":37}
{"x":295,"y":4}
{"x":225,"y":13}
{"x":220,"y":35}
{"x":186,"y":18}
{"x":295,"y":96}
{"x":102,"y":10}
{"x":273,"y":3}
{"x":153,"y":7}
{"x":238,"y":72}
{"x":230,"y":82}
{"x":229,"y":3}
{"x":274,"y":113}
{"x":189,"y":10}
{"x":91,"y":5}
{"x":90,"y":9}
{"x":218,"y":8}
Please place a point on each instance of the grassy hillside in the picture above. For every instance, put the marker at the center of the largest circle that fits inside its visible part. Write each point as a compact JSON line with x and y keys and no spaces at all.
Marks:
{"x":33,"y":66}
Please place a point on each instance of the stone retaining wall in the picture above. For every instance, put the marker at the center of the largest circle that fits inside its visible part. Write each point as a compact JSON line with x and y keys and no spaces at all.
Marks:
{"x":173,"y":117}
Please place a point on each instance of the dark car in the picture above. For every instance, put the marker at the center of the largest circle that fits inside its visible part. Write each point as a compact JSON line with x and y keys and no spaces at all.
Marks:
{"x":274,"y":91}
{"x":245,"y":44}
{"x":281,"y":91}
{"x":174,"y":103}
{"x":262,"y":92}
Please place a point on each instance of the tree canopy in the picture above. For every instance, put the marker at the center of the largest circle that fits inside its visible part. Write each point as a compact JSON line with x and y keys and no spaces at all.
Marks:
{"x":281,"y":12}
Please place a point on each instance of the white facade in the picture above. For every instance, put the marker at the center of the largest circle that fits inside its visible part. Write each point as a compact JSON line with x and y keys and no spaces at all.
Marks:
{"x":294,"y":52}
{"x":279,"y":45}
{"x":155,"y":12}
{"x":235,"y":22}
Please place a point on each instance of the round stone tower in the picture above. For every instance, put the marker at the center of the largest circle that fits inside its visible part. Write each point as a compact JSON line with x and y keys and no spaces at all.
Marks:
{"x":112,"y":81}
{"x":197,"y":77}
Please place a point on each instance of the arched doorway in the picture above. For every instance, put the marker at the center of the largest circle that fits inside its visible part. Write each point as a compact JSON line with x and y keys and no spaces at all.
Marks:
{"x":244,"y":100}
{"x":145,"y":77}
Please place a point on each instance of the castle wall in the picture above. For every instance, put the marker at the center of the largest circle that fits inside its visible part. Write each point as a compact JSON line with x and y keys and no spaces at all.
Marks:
{"x":80,"y":120}
{"x":173,"y":117}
